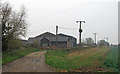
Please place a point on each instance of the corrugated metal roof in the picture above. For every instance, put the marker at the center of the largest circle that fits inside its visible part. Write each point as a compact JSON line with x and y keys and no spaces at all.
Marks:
{"x":54,"y":38}
{"x":51,"y":37}
{"x":64,"y":35}
{"x":59,"y":38}
{"x":46,"y":34}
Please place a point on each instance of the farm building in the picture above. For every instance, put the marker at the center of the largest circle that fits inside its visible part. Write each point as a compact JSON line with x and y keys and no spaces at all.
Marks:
{"x":48,"y":39}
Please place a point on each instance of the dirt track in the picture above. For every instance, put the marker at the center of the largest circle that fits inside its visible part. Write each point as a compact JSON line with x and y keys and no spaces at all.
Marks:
{"x":33,"y":62}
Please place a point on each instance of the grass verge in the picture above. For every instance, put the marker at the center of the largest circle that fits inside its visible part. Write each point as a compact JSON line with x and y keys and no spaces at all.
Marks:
{"x":75,"y":59}
{"x":16,"y":54}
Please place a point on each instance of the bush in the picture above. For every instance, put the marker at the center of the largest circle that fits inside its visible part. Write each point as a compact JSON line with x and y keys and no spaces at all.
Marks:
{"x":35,"y":44}
{"x":14,"y":44}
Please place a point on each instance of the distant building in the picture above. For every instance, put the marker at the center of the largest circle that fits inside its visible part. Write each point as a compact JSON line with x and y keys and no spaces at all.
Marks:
{"x":103,"y":43}
{"x":48,"y":39}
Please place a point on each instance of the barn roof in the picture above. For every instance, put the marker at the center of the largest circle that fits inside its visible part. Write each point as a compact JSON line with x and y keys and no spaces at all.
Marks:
{"x":54,"y":38}
{"x":59,"y":39}
{"x":64,"y":35}
{"x":46,"y":34}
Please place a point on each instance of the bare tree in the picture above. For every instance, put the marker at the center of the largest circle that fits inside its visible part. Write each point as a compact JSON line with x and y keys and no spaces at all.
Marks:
{"x":13,"y":24}
{"x":88,"y":41}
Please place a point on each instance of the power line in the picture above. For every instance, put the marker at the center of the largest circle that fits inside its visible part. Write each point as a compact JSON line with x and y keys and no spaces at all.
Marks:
{"x":36,"y":30}
{"x":68,"y":28}
{"x":51,"y":27}
{"x":64,"y":11}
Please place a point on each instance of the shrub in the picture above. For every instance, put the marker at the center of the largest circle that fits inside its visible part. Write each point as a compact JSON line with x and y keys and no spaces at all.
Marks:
{"x":14,"y":44}
{"x":35,"y":44}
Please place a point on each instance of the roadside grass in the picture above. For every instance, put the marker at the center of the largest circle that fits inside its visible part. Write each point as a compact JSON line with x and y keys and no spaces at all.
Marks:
{"x":75,"y":59}
{"x":111,"y":60}
{"x":16,"y":54}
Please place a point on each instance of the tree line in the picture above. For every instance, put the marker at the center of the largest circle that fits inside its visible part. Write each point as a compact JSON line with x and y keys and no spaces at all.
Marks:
{"x":90,"y":42}
{"x":13,"y":26}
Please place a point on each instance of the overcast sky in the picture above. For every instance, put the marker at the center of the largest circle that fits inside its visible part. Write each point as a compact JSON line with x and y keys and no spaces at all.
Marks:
{"x":101,"y":17}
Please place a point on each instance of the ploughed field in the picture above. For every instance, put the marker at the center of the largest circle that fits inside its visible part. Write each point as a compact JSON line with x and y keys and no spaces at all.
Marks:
{"x":99,"y":59}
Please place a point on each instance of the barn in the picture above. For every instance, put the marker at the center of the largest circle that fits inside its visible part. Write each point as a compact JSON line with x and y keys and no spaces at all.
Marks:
{"x":48,"y":39}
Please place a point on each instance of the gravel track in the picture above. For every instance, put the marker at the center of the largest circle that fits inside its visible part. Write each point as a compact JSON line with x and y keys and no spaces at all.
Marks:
{"x":33,"y":62}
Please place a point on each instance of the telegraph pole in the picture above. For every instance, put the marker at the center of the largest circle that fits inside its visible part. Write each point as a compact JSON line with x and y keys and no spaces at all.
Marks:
{"x":50,"y":40}
{"x":80,"y":31}
{"x":56,"y":36}
{"x":95,"y":37}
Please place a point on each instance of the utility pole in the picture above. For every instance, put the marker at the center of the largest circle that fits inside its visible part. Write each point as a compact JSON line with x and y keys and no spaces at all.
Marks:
{"x":80,"y":31}
{"x":49,"y":40}
{"x":56,"y":36}
{"x":95,"y":37}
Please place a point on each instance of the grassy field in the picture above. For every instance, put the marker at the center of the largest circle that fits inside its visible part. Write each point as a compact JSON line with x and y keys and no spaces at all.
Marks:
{"x":103,"y":59}
{"x":80,"y":60}
{"x":111,"y":59}
{"x":16,"y":54}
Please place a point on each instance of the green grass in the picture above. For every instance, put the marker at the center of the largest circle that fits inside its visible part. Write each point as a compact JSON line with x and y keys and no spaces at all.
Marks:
{"x":56,"y":58}
{"x":60,"y":59}
{"x":16,"y":54}
{"x":111,"y":60}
